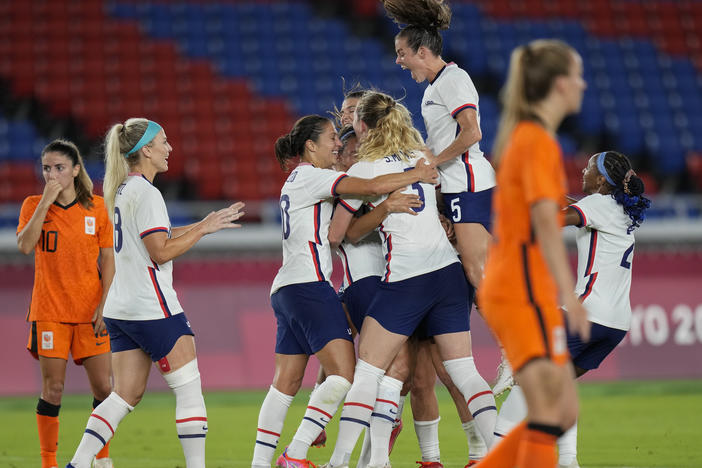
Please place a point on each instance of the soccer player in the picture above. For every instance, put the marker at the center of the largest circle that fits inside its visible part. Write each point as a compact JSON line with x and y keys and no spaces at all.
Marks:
{"x":527,"y":274}
{"x":309,"y":315}
{"x":142,"y":313}
{"x":70,"y":234}
{"x":451,"y":113}
{"x":422,"y":281}
{"x":606,"y":218}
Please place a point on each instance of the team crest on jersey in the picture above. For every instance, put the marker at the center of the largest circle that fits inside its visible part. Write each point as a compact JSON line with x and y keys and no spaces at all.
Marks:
{"x":90,"y":225}
{"x":47,"y":340}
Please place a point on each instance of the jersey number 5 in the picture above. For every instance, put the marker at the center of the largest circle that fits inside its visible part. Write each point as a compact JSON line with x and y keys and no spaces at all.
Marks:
{"x":420,"y":193}
{"x":118,"y":230}
{"x":284,"y":215}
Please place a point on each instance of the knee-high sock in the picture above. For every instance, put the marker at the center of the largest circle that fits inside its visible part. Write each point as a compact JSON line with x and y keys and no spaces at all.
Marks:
{"x":364,"y":457}
{"x":48,"y":427}
{"x":512,"y":412}
{"x":270,"y":424}
{"x":476,"y":391}
{"x":428,"y":438}
{"x":476,"y":445}
{"x":323,"y":404}
{"x":383,"y":417}
{"x":504,"y":452}
{"x":102,"y":425}
{"x":538,"y":447}
{"x":105,"y":452}
{"x":568,"y":446}
{"x":357,"y":410}
{"x":191,"y":414}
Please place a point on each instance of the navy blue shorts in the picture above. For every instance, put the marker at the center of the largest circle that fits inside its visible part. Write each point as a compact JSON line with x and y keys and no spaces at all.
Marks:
{"x":589,"y":355}
{"x":155,"y":337}
{"x":358,"y":297}
{"x":309,"y":316}
{"x":438,"y":300}
{"x":469,"y":207}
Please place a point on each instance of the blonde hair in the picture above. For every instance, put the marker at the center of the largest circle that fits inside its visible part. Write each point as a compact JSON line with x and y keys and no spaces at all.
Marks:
{"x":532,"y":70}
{"x":119,"y":140}
{"x":390,"y":129}
{"x":81,"y":182}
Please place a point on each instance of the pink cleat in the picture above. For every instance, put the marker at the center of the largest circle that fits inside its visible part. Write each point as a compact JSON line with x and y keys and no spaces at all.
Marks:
{"x":423,"y":464}
{"x":393,"y":435}
{"x":321,"y":439}
{"x":286,"y":462}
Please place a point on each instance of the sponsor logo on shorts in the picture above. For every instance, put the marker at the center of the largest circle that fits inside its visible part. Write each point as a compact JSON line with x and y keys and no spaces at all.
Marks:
{"x":348,"y":330}
{"x":47,"y":340}
{"x":100,"y":343}
{"x":90,"y":225}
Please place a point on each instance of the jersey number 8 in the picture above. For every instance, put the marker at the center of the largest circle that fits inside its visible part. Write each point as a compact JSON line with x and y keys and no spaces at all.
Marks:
{"x":118,"y":230}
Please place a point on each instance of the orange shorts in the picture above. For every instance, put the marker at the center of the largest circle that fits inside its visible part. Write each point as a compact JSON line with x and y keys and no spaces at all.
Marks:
{"x":56,"y":339}
{"x":527,"y":332}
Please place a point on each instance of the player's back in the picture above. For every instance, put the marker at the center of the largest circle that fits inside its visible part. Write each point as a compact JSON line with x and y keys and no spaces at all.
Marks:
{"x":530,"y":170}
{"x":413,"y":245}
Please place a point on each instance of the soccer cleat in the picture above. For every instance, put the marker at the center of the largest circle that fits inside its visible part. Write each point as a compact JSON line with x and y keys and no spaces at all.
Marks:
{"x":103,"y":463}
{"x":504,"y":380}
{"x":423,"y":464}
{"x":321,"y":439}
{"x":286,"y":462}
{"x":472,"y":463}
{"x":393,"y":435}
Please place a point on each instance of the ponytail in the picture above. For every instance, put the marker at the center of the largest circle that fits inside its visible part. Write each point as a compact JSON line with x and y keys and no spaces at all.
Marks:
{"x":627,"y":188}
{"x":424,"y":20}
{"x":120,"y":139}
{"x":292,"y":144}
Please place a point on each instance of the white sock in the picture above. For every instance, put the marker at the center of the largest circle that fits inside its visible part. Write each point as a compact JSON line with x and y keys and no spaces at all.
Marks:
{"x":270,"y":424}
{"x":383,"y":417}
{"x":476,"y":391}
{"x":476,"y":445}
{"x":323,"y":404}
{"x":512,"y":412}
{"x":364,"y":457}
{"x":428,"y":438}
{"x":190,"y":413}
{"x":400,"y":409}
{"x":101,"y":426}
{"x":568,"y":446}
{"x":357,"y":411}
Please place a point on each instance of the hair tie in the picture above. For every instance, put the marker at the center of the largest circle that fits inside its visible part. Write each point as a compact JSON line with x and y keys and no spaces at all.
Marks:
{"x":627,"y":178}
{"x":601,"y":168}
{"x":151,"y":130}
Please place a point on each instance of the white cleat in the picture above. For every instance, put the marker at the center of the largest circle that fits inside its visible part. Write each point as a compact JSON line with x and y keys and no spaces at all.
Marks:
{"x":103,"y":463}
{"x":504,"y":380}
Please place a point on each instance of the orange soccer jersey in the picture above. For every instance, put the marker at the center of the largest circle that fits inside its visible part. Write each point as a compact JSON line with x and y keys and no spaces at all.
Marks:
{"x":518,"y":295}
{"x":67,"y":285}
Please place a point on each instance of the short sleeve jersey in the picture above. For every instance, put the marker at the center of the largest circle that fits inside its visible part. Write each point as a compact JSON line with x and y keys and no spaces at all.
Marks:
{"x":67,"y":284}
{"x":605,"y":257}
{"x":450,"y":93}
{"x":412,"y":245}
{"x":141,"y":288}
{"x":306,"y":205}
{"x":531,"y":170}
{"x":362,"y":259}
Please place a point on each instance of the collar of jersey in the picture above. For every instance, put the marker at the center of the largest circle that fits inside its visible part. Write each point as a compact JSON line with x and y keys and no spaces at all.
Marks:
{"x":440,"y":72}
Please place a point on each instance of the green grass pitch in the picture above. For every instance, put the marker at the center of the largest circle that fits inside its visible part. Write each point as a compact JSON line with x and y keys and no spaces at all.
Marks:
{"x":622,"y":424}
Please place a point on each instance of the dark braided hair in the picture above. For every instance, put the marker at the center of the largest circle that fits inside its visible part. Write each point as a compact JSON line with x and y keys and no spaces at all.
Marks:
{"x":292,"y":145}
{"x":424,"y":19}
{"x":629,"y":188}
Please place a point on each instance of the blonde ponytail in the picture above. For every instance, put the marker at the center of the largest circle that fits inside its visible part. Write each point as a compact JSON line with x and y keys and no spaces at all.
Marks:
{"x":119,"y":140}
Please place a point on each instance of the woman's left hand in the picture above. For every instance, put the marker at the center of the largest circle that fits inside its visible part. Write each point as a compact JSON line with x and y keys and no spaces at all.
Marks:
{"x":98,"y":323}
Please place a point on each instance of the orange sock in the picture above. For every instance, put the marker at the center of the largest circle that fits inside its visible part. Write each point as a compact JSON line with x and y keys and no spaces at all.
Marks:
{"x":538,"y":449}
{"x":504,"y":453}
{"x":48,"y":439}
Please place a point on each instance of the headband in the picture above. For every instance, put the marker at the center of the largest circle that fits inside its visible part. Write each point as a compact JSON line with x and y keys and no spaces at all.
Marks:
{"x":151,"y":130}
{"x":601,"y":168}
{"x":347,"y":135}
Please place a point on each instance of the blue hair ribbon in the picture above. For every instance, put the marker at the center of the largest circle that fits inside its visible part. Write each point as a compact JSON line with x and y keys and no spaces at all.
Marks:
{"x":601,"y":168}
{"x":151,"y":130}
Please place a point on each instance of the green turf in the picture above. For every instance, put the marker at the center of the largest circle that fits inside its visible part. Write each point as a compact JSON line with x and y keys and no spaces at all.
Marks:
{"x":633,"y":424}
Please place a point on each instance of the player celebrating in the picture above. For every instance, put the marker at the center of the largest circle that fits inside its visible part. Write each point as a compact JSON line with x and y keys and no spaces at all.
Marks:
{"x":142,"y":312}
{"x":69,"y":232}
{"x":308,"y":312}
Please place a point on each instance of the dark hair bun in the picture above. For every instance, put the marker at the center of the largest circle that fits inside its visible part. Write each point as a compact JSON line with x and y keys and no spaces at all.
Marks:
{"x":635,"y":186}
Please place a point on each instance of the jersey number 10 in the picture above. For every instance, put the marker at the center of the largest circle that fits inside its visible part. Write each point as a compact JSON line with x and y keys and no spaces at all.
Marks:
{"x":49,"y":240}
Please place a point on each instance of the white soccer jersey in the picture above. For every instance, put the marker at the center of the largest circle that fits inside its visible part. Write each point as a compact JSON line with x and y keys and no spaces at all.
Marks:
{"x":412,"y":245}
{"x":605,"y":256}
{"x":362,"y":259}
{"x":451,"y":92}
{"x":305,"y":209}
{"x":141,"y":289}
